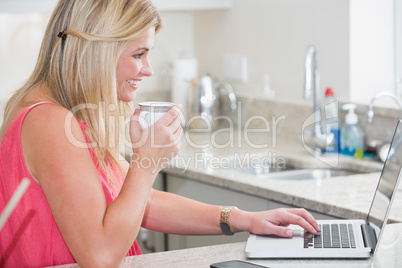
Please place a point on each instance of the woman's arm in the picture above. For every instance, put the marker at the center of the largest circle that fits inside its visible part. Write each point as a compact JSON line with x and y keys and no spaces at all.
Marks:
{"x":174,"y":214}
{"x":96,"y":234}
{"x":170,"y":213}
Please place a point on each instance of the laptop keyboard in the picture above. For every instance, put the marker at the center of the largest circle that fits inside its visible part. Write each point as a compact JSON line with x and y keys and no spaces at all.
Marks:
{"x":331,"y":236}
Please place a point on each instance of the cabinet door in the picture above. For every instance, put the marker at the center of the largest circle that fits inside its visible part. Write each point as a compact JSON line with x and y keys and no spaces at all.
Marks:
{"x":163,"y":5}
{"x":212,"y":195}
{"x":191,"y":5}
{"x":218,"y":196}
{"x":152,"y":241}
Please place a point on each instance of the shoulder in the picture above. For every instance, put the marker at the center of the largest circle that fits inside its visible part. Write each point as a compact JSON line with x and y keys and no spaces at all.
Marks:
{"x":52,"y":120}
{"x":48,"y":112}
{"x":53,"y":144}
{"x":50,"y":130}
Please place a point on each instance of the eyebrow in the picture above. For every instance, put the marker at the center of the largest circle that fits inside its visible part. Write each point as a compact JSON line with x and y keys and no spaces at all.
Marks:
{"x":143,"y":48}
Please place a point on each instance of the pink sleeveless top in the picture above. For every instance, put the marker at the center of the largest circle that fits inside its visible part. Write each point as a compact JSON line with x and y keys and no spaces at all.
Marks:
{"x":30,"y":237}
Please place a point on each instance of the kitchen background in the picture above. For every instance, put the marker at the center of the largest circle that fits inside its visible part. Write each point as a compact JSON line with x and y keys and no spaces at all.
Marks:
{"x":258,"y":46}
{"x":255,"y":45}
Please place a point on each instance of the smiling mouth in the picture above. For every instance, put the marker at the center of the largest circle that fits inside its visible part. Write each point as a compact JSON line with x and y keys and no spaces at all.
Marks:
{"x":133,"y":83}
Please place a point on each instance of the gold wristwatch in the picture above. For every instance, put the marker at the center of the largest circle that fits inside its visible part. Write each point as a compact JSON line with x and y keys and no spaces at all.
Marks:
{"x":225,"y":213}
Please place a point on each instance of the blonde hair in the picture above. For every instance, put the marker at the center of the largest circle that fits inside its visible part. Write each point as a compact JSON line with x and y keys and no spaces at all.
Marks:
{"x":78,"y":66}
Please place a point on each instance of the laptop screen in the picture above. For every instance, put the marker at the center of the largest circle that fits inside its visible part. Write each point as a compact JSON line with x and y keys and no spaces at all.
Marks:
{"x":388,"y":182}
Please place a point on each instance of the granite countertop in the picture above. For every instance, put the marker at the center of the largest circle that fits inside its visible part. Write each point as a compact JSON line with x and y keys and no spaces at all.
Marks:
{"x":205,"y":158}
{"x":387,"y":256}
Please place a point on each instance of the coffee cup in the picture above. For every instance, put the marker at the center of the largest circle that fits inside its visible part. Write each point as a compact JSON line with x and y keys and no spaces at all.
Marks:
{"x":152,"y":111}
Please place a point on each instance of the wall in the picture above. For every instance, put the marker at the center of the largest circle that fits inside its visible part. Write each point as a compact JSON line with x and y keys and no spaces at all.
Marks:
{"x":175,"y":39}
{"x":398,"y":48}
{"x":22,"y":33}
{"x":354,"y":39}
{"x":372,"y":52}
{"x":274,"y":35}
{"x":21,"y":36}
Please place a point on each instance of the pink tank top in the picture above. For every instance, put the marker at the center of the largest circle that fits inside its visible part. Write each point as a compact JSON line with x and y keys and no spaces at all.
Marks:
{"x":30,"y":237}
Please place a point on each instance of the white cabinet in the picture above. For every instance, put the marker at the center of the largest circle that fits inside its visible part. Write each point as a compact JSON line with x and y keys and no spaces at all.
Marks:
{"x":26,"y":6}
{"x":151,"y":241}
{"x":212,"y":195}
{"x":14,"y":6}
{"x":188,"y":5}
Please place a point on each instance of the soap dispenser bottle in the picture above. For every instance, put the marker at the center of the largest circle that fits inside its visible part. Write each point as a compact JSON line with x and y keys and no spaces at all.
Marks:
{"x":331,"y":122}
{"x":352,"y":136}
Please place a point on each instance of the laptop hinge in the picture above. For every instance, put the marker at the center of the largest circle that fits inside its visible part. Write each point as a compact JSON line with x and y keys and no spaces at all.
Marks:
{"x":369,"y":236}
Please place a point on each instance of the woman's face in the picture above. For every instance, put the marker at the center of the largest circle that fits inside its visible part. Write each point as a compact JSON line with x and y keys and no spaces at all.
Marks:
{"x":133,"y":65}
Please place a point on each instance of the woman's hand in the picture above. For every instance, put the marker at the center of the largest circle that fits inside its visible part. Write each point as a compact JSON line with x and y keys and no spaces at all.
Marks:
{"x":154,"y":146}
{"x":273,"y":222}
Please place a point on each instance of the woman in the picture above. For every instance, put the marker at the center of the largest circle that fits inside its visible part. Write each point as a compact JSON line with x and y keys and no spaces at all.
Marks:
{"x":86,"y":203}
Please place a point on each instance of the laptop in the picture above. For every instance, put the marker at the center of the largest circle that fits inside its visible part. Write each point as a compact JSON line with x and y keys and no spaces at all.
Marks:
{"x":340,"y":238}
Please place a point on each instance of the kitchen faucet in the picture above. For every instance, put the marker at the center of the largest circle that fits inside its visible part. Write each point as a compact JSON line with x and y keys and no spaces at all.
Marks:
{"x":370,"y":113}
{"x":317,"y":139}
{"x":230,"y":93}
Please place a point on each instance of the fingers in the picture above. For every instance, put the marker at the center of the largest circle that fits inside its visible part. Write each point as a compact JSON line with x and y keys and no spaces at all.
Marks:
{"x":176,"y":124}
{"x":275,"y":222}
{"x":135,"y":127}
{"x":299,"y":217}
{"x":171,"y":123}
{"x":135,"y":116}
{"x":176,"y":128}
{"x":281,"y":231}
{"x":305,"y":219}
{"x":171,"y":116}
{"x":160,"y":141}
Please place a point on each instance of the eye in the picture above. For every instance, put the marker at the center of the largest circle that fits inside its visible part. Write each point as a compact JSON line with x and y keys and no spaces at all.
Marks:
{"x":138,"y":56}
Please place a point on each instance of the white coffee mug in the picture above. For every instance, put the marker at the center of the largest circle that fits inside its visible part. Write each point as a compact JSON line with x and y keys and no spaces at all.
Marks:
{"x":152,"y":111}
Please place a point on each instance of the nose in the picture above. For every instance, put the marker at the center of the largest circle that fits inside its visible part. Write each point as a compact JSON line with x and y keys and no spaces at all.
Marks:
{"x":146,"y":70}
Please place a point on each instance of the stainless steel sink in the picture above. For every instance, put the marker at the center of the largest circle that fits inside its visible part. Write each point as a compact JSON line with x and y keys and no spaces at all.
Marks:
{"x":296,"y":174}
{"x":261,"y":170}
{"x":305,"y":174}
{"x":290,"y":172}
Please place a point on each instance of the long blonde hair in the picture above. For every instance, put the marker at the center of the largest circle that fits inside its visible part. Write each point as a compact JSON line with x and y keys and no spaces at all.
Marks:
{"x":78,"y":66}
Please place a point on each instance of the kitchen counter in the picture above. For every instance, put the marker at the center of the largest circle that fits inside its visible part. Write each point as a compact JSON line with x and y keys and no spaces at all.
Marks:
{"x":208,"y":159}
{"x":388,"y":256}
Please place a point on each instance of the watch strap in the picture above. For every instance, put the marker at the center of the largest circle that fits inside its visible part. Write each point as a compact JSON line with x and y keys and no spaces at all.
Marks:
{"x":224,"y":222}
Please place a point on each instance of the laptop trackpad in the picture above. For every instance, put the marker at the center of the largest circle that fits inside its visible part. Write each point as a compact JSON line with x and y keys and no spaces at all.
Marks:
{"x":294,"y":242}
{"x":261,"y":243}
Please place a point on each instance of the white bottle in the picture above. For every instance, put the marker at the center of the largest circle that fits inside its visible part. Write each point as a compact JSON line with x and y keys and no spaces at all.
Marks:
{"x":329,"y":114}
{"x":352,"y":137}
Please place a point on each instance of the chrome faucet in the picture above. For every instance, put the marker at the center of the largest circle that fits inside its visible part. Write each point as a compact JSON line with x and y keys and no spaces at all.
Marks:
{"x":370,"y":113}
{"x":230,"y":93}
{"x":317,"y":139}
